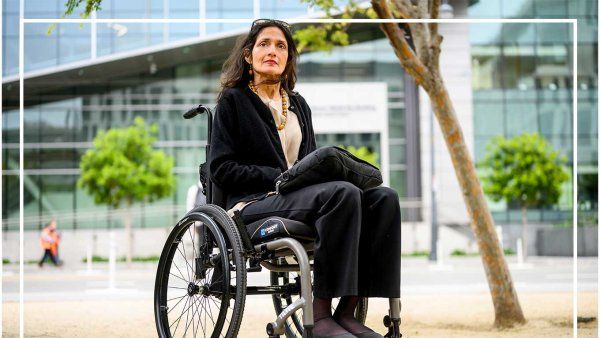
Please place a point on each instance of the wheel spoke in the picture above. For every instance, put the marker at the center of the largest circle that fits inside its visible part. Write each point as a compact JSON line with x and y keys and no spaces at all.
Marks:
{"x":168,"y":300}
{"x":200,"y":321}
{"x":209,"y":276}
{"x":187,"y":316}
{"x":193,"y":257}
{"x":177,"y":304}
{"x":209,"y":309}
{"x":228,"y":307}
{"x":179,"y":318}
{"x":204,"y":301}
{"x":193,"y":236}
{"x":194,"y":328}
{"x":181,"y":273}
{"x":205,"y":316}
{"x":174,"y":275}
{"x":218,"y":280}
{"x":187,"y":326}
{"x":185,"y":260}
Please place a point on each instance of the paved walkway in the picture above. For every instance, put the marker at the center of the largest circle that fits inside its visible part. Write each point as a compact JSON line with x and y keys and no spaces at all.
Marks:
{"x":451,"y":300}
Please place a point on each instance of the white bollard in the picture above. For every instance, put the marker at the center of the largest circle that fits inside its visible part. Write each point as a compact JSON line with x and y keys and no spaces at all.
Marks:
{"x":112,"y":261}
{"x":440,"y":253}
{"x":89,"y":258}
{"x":520,"y":259}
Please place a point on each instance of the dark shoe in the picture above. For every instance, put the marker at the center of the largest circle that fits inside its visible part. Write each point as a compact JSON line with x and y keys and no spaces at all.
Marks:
{"x":368,"y":334}
{"x":351,"y":324}
{"x":343,"y":335}
{"x":329,"y":328}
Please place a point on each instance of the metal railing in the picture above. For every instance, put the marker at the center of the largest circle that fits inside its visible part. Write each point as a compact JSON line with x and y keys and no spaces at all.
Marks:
{"x":100,"y":218}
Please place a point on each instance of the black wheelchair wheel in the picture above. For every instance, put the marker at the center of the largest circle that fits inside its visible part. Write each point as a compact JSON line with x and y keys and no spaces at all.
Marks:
{"x":293,"y":325}
{"x":200,"y":285}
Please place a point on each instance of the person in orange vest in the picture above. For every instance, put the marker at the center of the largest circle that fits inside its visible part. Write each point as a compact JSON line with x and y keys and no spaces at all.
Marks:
{"x":49,"y":240}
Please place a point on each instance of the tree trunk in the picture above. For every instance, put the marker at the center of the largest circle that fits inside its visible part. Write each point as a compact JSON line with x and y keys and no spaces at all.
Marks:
{"x":524,"y":230}
{"x":128,"y":233}
{"x":422,"y":63}
{"x":506,"y":303}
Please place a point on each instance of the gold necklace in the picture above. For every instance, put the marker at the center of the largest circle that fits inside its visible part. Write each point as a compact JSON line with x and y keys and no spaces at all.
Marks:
{"x":284,"y":106}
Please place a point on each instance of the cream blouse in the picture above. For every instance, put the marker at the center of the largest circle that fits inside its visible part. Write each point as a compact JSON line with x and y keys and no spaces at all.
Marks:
{"x":290,"y":135}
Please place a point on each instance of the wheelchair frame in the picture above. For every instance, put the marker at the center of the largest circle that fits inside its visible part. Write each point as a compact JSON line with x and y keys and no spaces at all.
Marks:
{"x":262,"y":255}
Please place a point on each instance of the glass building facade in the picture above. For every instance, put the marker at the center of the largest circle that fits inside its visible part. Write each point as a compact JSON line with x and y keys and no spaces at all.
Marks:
{"x":59,"y":128}
{"x":74,"y":42}
{"x":521,"y":78}
{"x":522,"y":82}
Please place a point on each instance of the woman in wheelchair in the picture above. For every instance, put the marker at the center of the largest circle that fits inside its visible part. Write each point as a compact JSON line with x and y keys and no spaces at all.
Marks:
{"x":261,"y":128}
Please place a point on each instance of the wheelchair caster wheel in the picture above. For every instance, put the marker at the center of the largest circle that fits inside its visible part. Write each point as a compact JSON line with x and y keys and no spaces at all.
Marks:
{"x":393,"y":326}
{"x":387,"y":321}
{"x":271,"y":331}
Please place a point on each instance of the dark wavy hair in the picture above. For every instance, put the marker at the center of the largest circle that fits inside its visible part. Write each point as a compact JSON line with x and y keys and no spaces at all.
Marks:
{"x":235,"y":69}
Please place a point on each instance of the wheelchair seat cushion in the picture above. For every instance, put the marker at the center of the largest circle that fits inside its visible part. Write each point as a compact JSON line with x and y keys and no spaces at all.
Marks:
{"x":274,"y":227}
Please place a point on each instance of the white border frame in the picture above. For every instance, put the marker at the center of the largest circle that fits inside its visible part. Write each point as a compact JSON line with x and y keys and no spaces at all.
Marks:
{"x":1,"y":176}
{"x":23,"y":21}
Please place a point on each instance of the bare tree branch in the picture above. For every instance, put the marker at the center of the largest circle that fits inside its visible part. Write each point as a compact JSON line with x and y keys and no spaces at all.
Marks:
{"x":405,"y":9}
{"x":435,"y":13}
{"x":422,"y":8}
{"x":435,"y":39}
{"x":407,"y":57}
{"x":419,"y":31}
{"x":435,"y":49}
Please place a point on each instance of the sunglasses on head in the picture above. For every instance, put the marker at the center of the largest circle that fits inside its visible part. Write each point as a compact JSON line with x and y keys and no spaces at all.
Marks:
{"x":259,"y":22}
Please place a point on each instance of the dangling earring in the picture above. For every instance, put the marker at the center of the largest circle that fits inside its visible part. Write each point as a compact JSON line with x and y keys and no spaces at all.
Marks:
{"x":250,"y":70}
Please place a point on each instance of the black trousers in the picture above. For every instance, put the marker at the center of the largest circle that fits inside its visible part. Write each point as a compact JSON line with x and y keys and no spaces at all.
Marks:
{"x":357,"y":249}
{"x":48,"y":254}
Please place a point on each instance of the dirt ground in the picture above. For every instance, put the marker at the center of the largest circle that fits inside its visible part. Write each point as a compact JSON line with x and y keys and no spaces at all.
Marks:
{"x":548,"y":315}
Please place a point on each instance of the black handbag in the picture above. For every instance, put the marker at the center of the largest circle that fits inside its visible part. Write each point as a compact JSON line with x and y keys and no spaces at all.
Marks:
{"x":325,"y":165}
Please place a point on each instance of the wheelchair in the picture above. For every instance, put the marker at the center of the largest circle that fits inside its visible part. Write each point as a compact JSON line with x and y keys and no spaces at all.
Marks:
{"x":201,"y":280}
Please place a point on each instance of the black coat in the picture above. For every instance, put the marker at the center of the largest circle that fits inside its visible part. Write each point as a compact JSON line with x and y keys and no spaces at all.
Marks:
{"x":246,"y":154}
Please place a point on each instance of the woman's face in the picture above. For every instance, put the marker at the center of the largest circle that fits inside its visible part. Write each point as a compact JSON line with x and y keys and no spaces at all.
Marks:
{"x":270,"y":52}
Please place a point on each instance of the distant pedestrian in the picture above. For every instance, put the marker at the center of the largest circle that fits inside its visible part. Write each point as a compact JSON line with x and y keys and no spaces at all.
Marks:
{"x":49,"y":240}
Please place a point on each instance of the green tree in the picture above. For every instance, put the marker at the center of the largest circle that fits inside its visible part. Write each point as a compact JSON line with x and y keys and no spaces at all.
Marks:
{"x":122,"y":167}
{"x":90,"y":6}
{"x":364,"y":154}
{"x":525,"y":171}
